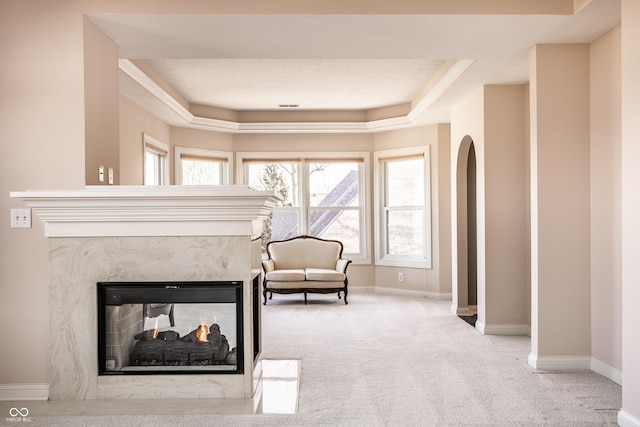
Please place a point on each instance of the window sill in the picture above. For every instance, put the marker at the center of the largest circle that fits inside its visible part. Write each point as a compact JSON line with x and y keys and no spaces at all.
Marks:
{"x":403,"y":263}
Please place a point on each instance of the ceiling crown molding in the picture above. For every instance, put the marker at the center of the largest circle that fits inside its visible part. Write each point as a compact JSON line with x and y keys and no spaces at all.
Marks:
{"x":435,"y":88}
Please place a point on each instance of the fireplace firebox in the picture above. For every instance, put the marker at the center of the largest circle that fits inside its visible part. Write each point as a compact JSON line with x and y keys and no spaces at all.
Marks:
{"x":170,"y":327}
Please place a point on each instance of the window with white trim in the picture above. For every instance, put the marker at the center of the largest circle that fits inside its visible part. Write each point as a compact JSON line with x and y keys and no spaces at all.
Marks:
{"x":402,"y":199}
{"x":324,"y":195}
{"x":197,"y":166}
{"x":156,"y":161}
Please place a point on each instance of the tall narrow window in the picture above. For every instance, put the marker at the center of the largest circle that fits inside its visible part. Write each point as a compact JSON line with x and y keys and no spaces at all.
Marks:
{"x":403,"y":208}
{"x":156,"y":161}
{"x":334,"y":202}
{"x":201,"y":167}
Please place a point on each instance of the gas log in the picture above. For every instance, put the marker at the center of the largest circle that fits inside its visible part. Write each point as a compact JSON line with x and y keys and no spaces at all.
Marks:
{"x":202,"y":346}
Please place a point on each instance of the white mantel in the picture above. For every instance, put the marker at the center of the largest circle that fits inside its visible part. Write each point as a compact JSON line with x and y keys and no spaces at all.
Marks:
{"x":141,"y":234}
{"x":150,"y":210}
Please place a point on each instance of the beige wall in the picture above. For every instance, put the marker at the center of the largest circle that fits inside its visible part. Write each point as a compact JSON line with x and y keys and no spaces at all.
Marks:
{"x":494,"y":118}
{"x":134,"y":123}
{"x":434,"y":282}
{"x":441,"y":203}
{"x":630,"y":150}
{"x":42,"y":138}
{"x":559,"y":96}
{"x":527,"y":169}
{"x":506,"y":232}
{"x":606,"y":235}
{"x":302,"y":142}
{"x":100,"y":104}
{"x":194,"y":138}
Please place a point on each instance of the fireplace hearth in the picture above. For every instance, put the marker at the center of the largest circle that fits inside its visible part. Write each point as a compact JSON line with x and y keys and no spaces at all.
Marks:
{"x":176,"y":327}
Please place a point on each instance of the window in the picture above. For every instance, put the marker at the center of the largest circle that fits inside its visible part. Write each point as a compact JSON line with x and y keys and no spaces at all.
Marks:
{"x":283,"y":178}
{"x":324,"y":196}
{"x":334,"y":202}
{"x":156,"y":153}
{"x":403,"y":221}
{"x":195,"y":166}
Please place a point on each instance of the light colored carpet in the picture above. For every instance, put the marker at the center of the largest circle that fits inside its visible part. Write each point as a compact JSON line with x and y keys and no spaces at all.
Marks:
{"x":395,"y":361}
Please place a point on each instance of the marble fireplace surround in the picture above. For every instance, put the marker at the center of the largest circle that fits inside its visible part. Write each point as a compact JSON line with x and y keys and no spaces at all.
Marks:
{"x":122,"y":233}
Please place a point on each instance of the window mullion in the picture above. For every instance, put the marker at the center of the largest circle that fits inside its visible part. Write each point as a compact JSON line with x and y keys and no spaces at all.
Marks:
{"x":304,"y":196}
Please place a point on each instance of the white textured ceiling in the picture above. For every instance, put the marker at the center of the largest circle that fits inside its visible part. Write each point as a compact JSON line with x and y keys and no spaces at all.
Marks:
{"x":338,"y":62}
{"x":265,"y":83}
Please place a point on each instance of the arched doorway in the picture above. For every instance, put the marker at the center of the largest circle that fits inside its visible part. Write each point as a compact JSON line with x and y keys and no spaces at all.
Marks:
{"x":466,"y":227}
{"x":472,"y":232}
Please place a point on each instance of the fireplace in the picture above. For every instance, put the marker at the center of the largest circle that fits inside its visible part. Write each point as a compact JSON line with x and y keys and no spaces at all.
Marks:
{"x":133,"y":236}
{"x":170,"y":327}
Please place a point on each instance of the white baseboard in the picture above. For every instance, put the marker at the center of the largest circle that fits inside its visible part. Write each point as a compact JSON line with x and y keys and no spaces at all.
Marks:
{"x":557,"y":363}
{"x":441,"y":297}
{"x":625,"y":419}
{"x":410,"y":293}
{"x":552,"y":363}
{"x":400,"y":292}
{"x":9,"y":392}
{"x":606,"y":371}
{"x":361,"y":289}
{"x":502,"y":329}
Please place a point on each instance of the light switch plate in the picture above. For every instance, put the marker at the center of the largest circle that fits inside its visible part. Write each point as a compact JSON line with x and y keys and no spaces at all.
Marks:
{"x":20,"y":218}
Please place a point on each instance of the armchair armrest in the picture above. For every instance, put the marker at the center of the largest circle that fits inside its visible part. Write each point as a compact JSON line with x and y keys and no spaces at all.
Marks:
{"x":342,"y":265}
{"x":268,"y":265}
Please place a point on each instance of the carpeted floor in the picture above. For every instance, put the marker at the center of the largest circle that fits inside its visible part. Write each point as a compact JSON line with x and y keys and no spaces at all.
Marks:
{"x":396,"y":361}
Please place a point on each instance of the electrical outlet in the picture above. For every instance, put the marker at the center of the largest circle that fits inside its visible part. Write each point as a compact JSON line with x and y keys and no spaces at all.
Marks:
{"x":101,"y":173}
{"x":20,"y":218}
{"x":110,"y":175}
{"x":400,"y":277}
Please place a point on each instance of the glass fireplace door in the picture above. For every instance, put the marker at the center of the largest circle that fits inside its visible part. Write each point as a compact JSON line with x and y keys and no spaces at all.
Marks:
{"x":170,"y":327}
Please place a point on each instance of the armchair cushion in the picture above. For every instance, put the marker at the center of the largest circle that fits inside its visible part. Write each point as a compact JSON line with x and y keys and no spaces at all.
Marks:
{"x":324,"y":275}
{"x":286,"y":275}
{"x":301,"y":287}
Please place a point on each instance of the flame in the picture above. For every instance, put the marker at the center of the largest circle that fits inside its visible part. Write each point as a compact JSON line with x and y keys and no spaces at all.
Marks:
{"x":155,"y":330}
{"x":202,"y":333}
